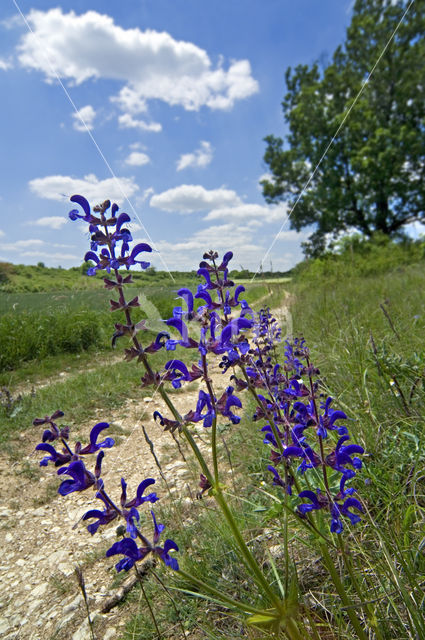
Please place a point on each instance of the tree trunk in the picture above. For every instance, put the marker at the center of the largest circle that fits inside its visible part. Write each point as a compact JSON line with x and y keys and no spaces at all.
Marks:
{"x":382,"y":212}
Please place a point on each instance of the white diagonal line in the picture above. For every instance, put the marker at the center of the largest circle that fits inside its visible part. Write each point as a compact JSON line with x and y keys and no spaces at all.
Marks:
{"x":117,"y":181}
{"x":303,"y":190}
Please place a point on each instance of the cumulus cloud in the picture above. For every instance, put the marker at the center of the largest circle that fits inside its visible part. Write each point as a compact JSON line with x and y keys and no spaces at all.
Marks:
{"x":199,"y":158}
{"x":186,"y":252}
{"x":137,"y":159}
{"x":189,"y":198}
{"x":265,"y":177}
{"x":53,"y":222}
{"x":22,"y":244}
{"x":63,"y":187}
{"x":36,"y":248}
{"x":5,"y":65}
{"x":50,"y":256}
{"x":1,"y":233}
{"x":252,"y":212}
{"x":134,"y":227}
{"x":126,"y":121}
{"x":84,"y":118}
{"x":151,"y":64}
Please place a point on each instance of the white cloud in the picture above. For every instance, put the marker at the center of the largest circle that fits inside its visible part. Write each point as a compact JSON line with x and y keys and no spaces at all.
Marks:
{"x":265,"y":176}
{"x":186,"y":253}
{"x":253,"y":212}
{"x":189,"y":198}
{"x":36,"y":248}
{"x":151,"y":64}
{"x":50,"y":256}
{"x":84,"y":118}
{"x":22,"y":244}
{"x":140,"y":200}
{"x":126,"y":121}
{"x":199,"y":158}
{"x":53,"y":222}
{"x":1,"y":233}
{"x":134,"y":227}
{"x":136,"y":146}
{"x":32,"y":242}
{"x":63,"y":187}
{"x":137,"y":159}
{"x":5,"y":65}
{"x":130,"y":101}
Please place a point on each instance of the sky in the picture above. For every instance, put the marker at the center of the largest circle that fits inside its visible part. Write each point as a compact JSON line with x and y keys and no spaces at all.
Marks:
{"x":159,"y":105}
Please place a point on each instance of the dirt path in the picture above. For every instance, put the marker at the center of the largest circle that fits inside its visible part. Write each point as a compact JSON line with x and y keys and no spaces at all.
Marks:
{"x":43,"y":544}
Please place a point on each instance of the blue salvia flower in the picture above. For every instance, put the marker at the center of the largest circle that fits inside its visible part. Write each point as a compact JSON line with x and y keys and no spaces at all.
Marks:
{"x":177,"y":372}
{"x":204,"y":403}
{"x":54,"y":433}
{"x":103,"y":517}
{"x":226,"y":402}
{"x":278,"y":481}
{"x":133,"y":553}
{"x":82,"y":479}
{"x":342,"y":456}
{"x":292,"y":403}
{"x":58,"y":459}
{"x":108,"y":233}
{"x":67,"y":455}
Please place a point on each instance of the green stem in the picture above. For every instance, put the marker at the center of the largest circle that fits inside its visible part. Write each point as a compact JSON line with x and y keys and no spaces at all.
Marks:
{"x":342,"y":593}
{"x":242,"y":606}
{"x":285,"y":539}
{"x":188,"y":436}
{"x":248,"y":557}
{"x":270,"y":417}
{"x":214,"y":449}
{"x":291,"y":628}
{"x":214,"y":424}
{"x":348,"y":565}
{"x":322,"y":451}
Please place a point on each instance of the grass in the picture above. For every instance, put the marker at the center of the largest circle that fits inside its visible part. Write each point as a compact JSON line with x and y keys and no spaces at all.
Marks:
{"x":61,"y":584}
{"x":36,"y":326}
{"x":81,"y":396}
{"x":38,"y":279}
{"x":365,"y":333}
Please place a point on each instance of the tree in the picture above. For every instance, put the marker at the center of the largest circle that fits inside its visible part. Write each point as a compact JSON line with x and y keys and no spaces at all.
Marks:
{"x":372,"y":177}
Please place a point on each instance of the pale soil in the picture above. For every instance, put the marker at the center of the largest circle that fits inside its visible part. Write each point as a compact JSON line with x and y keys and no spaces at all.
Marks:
{"x":42,"y":544}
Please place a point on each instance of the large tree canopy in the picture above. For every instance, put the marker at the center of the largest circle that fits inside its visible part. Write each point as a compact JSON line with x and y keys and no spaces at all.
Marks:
{"x":372,"y":177}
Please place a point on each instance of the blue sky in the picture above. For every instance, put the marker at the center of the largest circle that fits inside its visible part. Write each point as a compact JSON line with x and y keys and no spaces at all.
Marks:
{"x":176,"y":98}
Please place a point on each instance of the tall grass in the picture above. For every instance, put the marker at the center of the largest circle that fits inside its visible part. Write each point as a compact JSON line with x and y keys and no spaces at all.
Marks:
{"x":367,"y":335}
{"x":28,"y":336}
{"x":36,"y":325}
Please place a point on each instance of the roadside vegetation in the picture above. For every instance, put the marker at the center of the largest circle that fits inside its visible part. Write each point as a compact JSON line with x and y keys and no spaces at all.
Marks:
{"x":363,"y":316}
{"x":66,"y":312}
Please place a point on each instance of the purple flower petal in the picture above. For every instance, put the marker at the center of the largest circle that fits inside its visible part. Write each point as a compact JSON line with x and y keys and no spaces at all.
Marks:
{"x":83,"y":204}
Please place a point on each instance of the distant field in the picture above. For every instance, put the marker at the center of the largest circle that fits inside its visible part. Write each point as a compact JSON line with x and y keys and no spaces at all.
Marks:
{"x":35,"y":325}
{"x":47,"y":312}
{"x":163,"y":296}
{"x":95,"y":300}
{"x":260,"y":280}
